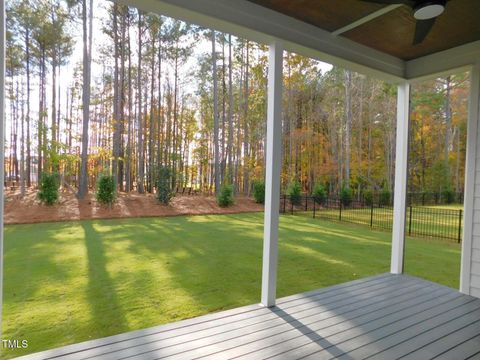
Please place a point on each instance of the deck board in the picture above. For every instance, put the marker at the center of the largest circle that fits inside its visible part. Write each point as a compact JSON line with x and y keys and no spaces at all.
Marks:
{"x":380,"y":317}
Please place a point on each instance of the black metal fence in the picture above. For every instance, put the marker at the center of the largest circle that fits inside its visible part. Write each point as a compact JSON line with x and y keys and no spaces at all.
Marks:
{"x":420,"y":221}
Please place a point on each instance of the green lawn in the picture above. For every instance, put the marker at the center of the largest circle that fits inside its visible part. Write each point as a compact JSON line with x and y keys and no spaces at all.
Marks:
{"x":70,"y":282}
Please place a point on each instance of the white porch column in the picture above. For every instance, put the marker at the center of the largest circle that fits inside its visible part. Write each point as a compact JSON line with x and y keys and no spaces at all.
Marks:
{"x":2,"y":147}
{"x":272,"y":176}
{"x":401,"y":176}
{"x":472,"y":187}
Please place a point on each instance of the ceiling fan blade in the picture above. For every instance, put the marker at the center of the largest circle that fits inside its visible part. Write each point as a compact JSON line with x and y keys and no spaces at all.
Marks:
{"x":422,"y":28}
{"x":392,"y":2}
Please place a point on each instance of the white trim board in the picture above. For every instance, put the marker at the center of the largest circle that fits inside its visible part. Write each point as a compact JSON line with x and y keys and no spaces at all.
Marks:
{"x":443,"y":62}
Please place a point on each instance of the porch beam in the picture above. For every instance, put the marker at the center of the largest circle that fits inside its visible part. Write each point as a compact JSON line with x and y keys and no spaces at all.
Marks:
{"x":2,"y":147}
{"x":272,"y":176}
{"x":365,"y":19}
{"x":401,"y":177}
{"x":443,"y":62}
{"x":473,"y":141}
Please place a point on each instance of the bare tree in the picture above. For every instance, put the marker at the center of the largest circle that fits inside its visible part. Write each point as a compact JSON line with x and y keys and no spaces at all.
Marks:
{"x":215,"y":115}
{"x":87,"y":61}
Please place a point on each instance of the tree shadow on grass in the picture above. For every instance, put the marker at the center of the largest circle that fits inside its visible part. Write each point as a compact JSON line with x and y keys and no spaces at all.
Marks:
{"x":107,"y":314}
{"x":217,"y":259}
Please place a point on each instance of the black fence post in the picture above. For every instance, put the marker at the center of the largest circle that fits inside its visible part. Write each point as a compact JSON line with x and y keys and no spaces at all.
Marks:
{"x":314,"y":208}
{"x":460,"y":215}
{"x":410,"y":221}
{"x":371,"y":215}
{"x":291,"y":204}
{"x":340,"y":213}
{"x":284,"y":204}
{"x":306,"y":202}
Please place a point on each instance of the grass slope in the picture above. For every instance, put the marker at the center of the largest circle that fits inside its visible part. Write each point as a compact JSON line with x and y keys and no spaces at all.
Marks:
{"x":70,"y":282}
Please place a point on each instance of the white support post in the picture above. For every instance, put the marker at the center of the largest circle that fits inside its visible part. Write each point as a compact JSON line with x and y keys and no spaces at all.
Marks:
{"x":401,"y":177}
{"x":272,"y":177}
{"x":2,"y":147}
{"x":470,"y":165}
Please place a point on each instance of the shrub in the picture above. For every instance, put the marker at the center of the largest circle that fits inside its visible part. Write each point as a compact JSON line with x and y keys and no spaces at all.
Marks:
{"x":105,"y":189}
{"x":48,"y":188}
{"x":346,"y":196}
{"x":385,"y":196}
{"x":368,"y":197}
{"x":225,"y":196}
{"x":448,"y":196}
{"x":259,"y":191}
{"x":294,"y":191}
{"x":319,"y":194}
{"x":164,"y":188}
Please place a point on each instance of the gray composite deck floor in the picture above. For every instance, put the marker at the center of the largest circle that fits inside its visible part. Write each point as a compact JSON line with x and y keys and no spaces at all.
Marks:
{"x":380,"y":317}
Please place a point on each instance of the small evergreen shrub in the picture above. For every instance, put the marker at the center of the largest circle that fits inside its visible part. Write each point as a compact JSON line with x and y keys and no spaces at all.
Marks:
{"x":346,"y":196}
{"x":105,"y":189}
{"x":368,"y":197}
{"x":259,"y":191}
{"x":48,"y":188}
{"x":385,"y":197}
{"x":319,"y":194}
{"x":294,"y":192}
{"x":164,"y":188}
{"x":225,"y":196}
{"x":448,"y":196}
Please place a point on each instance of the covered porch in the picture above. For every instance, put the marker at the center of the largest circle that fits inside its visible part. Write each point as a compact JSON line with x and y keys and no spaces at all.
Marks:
{"x":386,"y":316}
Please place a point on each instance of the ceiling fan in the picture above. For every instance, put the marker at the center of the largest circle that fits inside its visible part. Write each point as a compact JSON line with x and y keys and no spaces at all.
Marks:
{"x":424,"y":11}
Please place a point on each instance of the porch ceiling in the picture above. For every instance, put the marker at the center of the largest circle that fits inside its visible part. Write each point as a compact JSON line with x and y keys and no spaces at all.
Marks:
{"x":391,"y":33}
{"x":377,"y":47}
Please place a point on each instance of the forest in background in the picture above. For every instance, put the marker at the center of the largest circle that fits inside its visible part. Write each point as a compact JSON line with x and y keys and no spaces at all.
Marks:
{"x":95,"y":87}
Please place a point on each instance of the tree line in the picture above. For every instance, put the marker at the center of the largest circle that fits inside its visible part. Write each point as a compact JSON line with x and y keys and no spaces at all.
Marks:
{"x":149,"y":92}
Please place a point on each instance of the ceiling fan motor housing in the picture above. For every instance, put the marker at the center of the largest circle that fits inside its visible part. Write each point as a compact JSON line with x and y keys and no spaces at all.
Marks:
{"x":428,"y":9}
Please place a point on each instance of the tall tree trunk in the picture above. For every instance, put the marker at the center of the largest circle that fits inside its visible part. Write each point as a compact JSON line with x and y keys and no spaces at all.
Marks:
{"x":53,"y":148}
{"x":175,"y":118}
{"x":41,"y":114}
{"x":246,"y":138}
{"x":22,"y":147}
{"x":448,"y":121}
{"x":215,"y":116}
{"x":224,"y":112}
{"x":128,"y":164}
{"x":116,"y":151}
{"x":238,"y":129}
{"x":348,"y":123}
{"x":140,"y":166}
{"x":457,"y":164}
{"x":160,"y":109}
{"x":28,"y":157}
{"x":151,"y":132}
{"x":87,"y":46}
{"x":230,"y":110}
{"x":360,"y":136}
{"x":121,"y":124}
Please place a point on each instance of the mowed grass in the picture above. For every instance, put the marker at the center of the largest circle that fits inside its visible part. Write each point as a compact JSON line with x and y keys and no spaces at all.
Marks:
{"x":71,"y":282}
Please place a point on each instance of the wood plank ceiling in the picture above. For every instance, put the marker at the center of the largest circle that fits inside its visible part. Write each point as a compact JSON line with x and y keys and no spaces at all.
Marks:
{"x":391,"y":33}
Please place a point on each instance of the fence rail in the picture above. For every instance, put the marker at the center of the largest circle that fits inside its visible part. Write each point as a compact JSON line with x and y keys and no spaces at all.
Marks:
{"x":420,"y":221}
